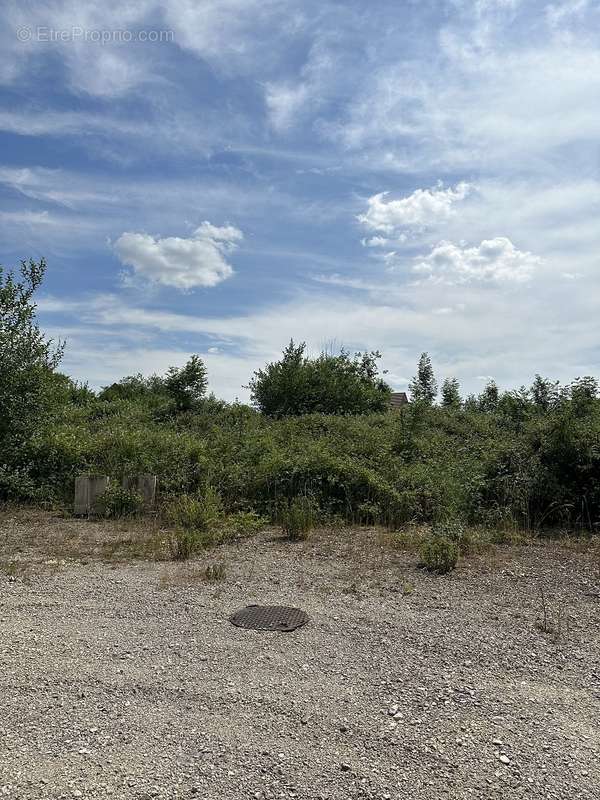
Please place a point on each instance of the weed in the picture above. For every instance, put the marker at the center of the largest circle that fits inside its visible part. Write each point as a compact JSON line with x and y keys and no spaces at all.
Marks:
{"x":196,"y":521}
{"x":298,"y":518}
{"x":439,"y":554}
{"x":408,"y":539}
{"x":183,"y":543}
{"x":196,"y":513}
{"x":559,"y":628}
{"x":244,"y":524}
{"x":117,"y":502}
{"x":214,"y":573}
{"x":12,"y":569}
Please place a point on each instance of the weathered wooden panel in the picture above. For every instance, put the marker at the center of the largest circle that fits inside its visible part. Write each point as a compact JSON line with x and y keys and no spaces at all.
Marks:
{"x":88,"y":489}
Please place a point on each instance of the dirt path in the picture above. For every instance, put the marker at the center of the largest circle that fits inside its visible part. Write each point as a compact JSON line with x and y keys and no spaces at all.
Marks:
{"x":126,"y":680}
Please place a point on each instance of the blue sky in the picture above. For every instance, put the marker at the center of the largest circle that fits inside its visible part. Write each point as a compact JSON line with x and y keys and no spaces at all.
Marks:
{"x":218,"y":176}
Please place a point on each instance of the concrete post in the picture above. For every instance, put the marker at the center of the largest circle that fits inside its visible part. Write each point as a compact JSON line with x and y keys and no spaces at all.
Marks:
{"x":88,"y":489}
{"x":145,"y":485}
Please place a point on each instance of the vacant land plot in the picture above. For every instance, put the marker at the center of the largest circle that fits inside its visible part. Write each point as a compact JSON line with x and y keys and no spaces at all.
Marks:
{"x":122,"y":677}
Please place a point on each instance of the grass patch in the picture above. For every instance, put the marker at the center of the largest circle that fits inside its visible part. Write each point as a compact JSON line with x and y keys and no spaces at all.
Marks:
{"x":298,"y":518}
{"x":13,"y":569}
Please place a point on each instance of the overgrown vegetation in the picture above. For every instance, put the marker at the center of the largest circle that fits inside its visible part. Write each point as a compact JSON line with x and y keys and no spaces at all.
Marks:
{"x":527,"y":459}
{"x":329,"y":384}
{"x":298,"y":518}
{"x":117,"y":502}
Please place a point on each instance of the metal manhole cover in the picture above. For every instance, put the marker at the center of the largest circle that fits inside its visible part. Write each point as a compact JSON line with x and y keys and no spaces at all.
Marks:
{"x":269,"y":618}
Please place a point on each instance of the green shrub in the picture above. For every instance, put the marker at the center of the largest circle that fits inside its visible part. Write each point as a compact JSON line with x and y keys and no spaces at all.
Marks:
{"x":183,"y":543}
{"x":196,"y":523}
{"x":196,"y":513}
{"x":117,"y":502}
{"x":243,"y":524}
{"x":298,"y":518}
{"x":439,"y":554}
{"x":329,"y":384}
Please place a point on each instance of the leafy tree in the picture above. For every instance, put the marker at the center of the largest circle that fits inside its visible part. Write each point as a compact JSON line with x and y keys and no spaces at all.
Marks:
{"x":583,"y":392}
{"x":133,"y":387}
{"x":182,"y":387}
{"x":488,"y":399}
{"x":423,"y":387}
{"x":451,"y":393}
{"x":515,"y":405}
{"x":329,"y":384}
{"x":27,"y":362}
{"x":544,"y":393}
{"x":471,"y":403}
{"x":186,"y":386}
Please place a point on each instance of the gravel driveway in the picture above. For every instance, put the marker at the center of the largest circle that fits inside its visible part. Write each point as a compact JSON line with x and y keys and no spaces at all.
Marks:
{"x":126,"y":680}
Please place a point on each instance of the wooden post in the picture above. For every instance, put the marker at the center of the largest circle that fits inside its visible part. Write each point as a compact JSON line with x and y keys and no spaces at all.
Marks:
{"x":88,"y":489}
{"x":145,"y":485}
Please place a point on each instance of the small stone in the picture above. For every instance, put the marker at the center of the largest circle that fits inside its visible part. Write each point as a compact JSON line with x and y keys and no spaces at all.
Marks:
{"x":504,"y":759}
{"x":345,"y":767}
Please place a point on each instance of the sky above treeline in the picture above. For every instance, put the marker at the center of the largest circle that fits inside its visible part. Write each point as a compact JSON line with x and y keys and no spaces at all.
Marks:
{"x":220,"y":176}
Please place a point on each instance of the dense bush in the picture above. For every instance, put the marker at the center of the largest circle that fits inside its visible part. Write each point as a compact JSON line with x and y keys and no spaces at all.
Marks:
{"x":439,"y":553}
{"x":118,"y":502}
{"x":528,"y":458}
{"x":329,"y":384}
{"x":518,"y":465}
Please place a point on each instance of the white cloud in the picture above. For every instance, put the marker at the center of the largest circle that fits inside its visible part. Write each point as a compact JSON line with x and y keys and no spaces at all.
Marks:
{"x":485,"y":332}
{"x":284,"y":102}
{"x":421,"y":209}
{"x":182,"y":263}
{"x":377,"y":241}
{"x":505,"y":109}
{"x":107,"y":69}
{"x":493,"y":260}
{"x":558,"y":13}
{"x":228,"y":34}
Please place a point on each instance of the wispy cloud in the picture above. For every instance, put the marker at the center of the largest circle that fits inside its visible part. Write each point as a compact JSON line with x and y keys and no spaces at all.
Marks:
{"x":456,"y":141}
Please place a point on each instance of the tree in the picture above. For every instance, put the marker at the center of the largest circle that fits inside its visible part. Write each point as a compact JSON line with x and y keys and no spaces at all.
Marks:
{"x":583,"y":393}
{"x":186,"y":386}
{"x":451,"y":393}
{"x":182,"y":387}
{"x":545,"y":393}
{"x":27,"y":363}
{"x":423,"y":387}
{"x":329,"y":384}
{"x":488,"y":399}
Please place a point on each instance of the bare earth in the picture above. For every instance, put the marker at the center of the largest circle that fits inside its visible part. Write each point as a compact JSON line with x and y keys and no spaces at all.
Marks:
{"x":123,"y":678}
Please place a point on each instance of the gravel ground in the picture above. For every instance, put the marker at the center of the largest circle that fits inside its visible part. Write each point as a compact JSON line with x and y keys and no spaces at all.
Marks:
{"x":124,"y":678}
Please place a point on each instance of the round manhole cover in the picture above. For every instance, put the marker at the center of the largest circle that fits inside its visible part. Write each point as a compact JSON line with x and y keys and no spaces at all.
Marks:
{"x":269,"y":618}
